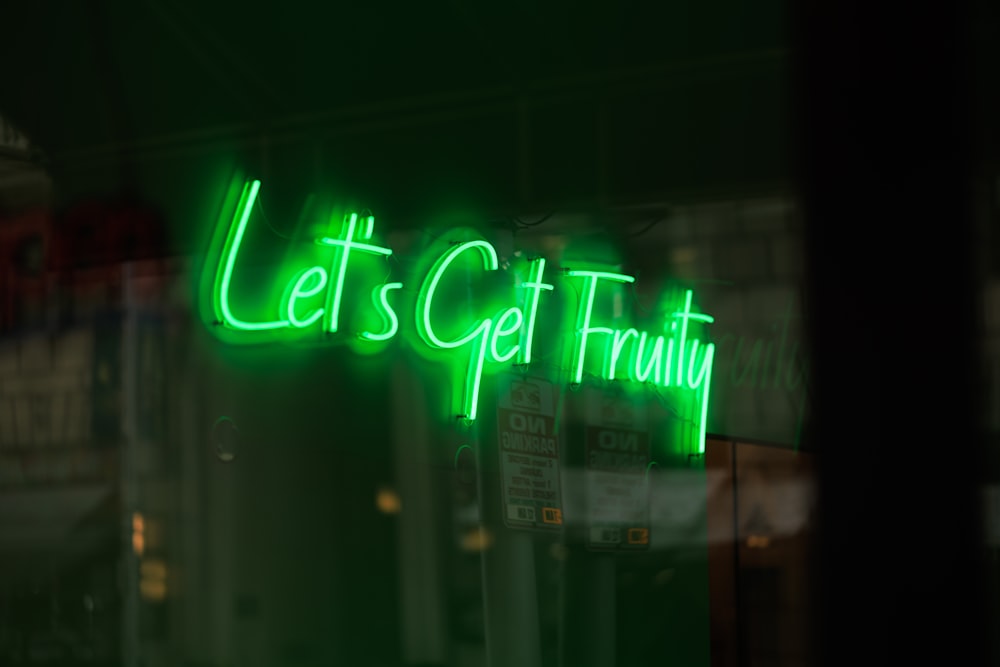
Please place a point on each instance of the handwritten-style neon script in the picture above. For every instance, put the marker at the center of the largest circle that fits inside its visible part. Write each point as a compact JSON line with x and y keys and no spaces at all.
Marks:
{"x":313,"y":297}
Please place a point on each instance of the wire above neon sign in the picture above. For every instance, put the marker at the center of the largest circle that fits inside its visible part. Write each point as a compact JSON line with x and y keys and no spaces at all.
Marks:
{"x":313,"y":296}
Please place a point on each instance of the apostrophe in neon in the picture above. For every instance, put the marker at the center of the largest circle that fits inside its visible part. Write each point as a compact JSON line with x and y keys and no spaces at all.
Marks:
{"x":344,"y":244}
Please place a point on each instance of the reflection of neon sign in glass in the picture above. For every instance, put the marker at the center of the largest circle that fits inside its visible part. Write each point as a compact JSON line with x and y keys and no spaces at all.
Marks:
{"x":314,"y":294}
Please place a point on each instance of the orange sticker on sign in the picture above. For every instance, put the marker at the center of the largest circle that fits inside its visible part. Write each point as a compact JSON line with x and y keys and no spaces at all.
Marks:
{"x":551,"y":515}
{"x":638,"y":536}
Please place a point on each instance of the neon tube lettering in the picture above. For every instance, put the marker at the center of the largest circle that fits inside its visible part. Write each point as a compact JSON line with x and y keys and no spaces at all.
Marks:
{"x":389,"y":317}
{"x":705,"y":373}
{"x":644,"y":367}
{"x":676,"y":358}
{"x":298,"y":290}
{"x":669,"y":363}
{"x":344,"y":244}
{"x":685,"y":316}
{"x":621,"y":337}
{"x":224,"y":272}
{"x":704,"y":376}
{"x":479,"y":332}
{"x":501,"y":331}
{"x":534,"y":285}
{"x":583,"y":328}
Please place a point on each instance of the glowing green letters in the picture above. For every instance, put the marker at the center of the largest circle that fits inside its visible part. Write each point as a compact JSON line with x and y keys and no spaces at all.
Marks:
{"x":224,"y":272}
{"x":306,"y":283}
{"x":486,"y":334}
{"x":344,"y":244}
{"x":298,"y":290}
{"x":314,"y":297}
{"x":534,"y":285}
{"x":646,"y":362}
{"x":391,"y":320}
{"x":583,"y":328}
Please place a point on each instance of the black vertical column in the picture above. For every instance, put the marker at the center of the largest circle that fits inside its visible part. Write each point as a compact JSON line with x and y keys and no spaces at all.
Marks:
{"x":884,"y":149}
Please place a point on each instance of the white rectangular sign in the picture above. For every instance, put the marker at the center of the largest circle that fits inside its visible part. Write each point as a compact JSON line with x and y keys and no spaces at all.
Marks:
{"x":528,"y":444}
{"x":617,"y":456}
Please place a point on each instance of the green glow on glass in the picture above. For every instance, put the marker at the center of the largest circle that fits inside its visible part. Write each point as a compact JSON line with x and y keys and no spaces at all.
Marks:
{"x":344,"y":244}
{"x":224,"y":273}
{"x":583,"y":328}
{"x":389,"y":317}
{"x":651,"y":366}
{"x":369,"y":228}
{"x":299,"y":290}
{"x":668,"y":366}
{"x":621,"y":337}
{"x":425,"y":299}
{"x":501,"y":331}
{"x":534,"y":285}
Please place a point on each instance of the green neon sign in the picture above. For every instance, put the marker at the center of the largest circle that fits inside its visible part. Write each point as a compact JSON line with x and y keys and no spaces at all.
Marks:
{"x":314,"y":296}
